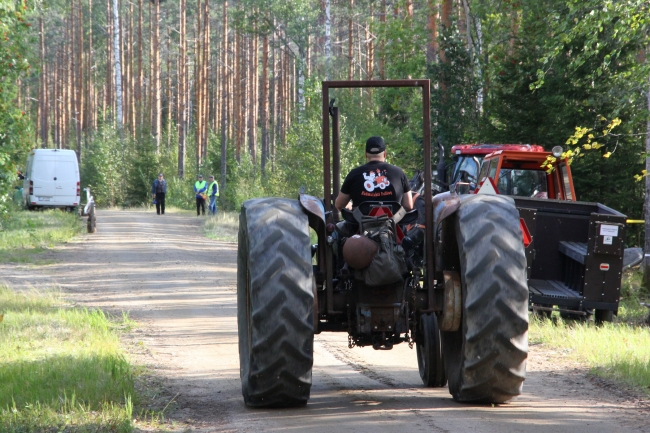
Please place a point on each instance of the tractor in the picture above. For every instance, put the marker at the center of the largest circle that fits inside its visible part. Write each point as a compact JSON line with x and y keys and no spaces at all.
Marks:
{"x":460,"y":297}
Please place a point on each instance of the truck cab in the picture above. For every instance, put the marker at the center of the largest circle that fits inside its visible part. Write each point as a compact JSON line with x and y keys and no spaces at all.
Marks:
{"x":468,"y":158}
{"x":529,"y":174}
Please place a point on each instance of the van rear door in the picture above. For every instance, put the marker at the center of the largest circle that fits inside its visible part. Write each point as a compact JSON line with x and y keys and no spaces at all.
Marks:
{"x":65,"y":180}
{"x":42,"y":174}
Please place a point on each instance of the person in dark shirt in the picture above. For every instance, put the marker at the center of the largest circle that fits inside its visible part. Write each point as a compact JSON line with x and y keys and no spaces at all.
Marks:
{"x":375,"y":181}
{"x":158,"y":191}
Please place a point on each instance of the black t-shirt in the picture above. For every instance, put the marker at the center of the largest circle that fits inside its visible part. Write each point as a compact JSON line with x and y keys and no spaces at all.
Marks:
{"x":376,"y":181}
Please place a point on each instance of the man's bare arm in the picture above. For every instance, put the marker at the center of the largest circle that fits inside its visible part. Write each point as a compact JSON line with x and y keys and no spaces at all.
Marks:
{"x":342,"y":200}
{"x":407,"y":201}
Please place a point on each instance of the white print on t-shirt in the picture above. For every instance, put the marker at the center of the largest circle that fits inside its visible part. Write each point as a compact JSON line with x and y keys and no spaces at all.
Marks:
{"x":375,"y":179}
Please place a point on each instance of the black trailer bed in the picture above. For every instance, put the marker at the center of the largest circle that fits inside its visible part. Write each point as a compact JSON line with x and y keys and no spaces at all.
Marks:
{"x":574,"y":254}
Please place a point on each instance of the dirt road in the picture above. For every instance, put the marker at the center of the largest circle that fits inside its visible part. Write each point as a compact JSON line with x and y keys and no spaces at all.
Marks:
{"x":180,"y":287}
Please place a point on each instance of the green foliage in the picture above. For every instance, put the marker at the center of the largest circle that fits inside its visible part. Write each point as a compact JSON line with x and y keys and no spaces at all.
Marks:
{"x":61,"y":368}
{"x":23,"y":232}
{"x":591,"y":71}
{"x":15,"y":38}
{"x":455,"y":116}
{"x":121,"y":172}
{"x":102,"y":168}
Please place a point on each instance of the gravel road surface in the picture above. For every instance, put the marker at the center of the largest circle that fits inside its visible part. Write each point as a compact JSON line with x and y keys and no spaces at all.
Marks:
{"x":181,"y":289}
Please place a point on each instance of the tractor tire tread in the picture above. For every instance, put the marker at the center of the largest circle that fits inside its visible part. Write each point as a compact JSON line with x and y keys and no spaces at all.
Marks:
{"x":495,"y":317}
{"x":275,"y":303}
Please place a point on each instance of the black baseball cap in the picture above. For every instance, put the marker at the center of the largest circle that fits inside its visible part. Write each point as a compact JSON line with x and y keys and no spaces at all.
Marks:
{"x":375,"y":145}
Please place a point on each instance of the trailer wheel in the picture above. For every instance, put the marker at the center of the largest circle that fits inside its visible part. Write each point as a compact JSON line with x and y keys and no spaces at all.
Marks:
{"x":602,"y":316}
{"x":275,"y":303}
{"x":486,"y":357}
{"x":92,"y":220}
{"x":430,"y":360}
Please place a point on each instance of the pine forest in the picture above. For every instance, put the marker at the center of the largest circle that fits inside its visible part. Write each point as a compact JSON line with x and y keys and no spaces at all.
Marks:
{"x":233,"y":88}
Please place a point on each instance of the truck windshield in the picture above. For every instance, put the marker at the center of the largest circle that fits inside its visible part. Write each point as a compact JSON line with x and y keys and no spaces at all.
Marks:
{"x":467,"y":169}
{"x":522,"y":183}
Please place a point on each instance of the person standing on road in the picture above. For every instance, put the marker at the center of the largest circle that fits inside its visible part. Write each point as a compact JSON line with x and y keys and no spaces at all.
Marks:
{"x":200,"y":188}
{"x":158,"y":191}
{"x":213,"y":193}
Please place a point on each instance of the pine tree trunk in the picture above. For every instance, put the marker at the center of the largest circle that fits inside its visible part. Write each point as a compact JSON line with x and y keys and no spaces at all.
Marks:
{"x":182,"y":90}
{"x":646,"y":247}
{"x":225,"y":96}
{"x":108,"y":97}
{"x":328,"y":40}
{"x":205,"y":81}
{"x":252,"y":97}
{"x":264,"y":110}
{"x":170,"y":105}
{"x":91,"y":106}
{"x":118,"y":64}
{"x":350,"y":41}
{"x":42,"y":99}
{"x":370,"y":47}
{"x":236,"y":96}
{"x":432,"y":25}
{"x":79,"y":90}
{"x":273,"y":117}
{"x":156,"y":91}
{"x":139,"y":95}
{"x":382,"y":45}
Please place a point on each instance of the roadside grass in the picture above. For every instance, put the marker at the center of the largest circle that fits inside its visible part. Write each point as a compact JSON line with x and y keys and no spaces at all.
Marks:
{"x":222,"y":227}
{"x":619,"y":350}
{"x":25,"y":233}
{"x":62,"y":368}
{"x":148,"y":208}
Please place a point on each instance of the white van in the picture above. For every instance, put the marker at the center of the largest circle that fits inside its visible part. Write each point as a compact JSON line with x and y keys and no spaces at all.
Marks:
{"x":51,"y":179}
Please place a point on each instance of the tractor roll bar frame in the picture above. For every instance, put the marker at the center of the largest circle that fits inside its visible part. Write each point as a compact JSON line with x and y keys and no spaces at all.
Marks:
{"x":327,"y":168}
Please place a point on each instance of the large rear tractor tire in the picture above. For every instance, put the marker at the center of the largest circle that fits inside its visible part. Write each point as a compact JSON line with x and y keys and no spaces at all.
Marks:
{"x":486,"y":357}
{"x":430,"y":360}
{"x":275,"y":303}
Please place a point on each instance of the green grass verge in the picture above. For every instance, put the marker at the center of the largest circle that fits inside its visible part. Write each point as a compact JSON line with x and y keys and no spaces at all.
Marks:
{"x":223,"y":227}
{"x":61,"y":368}
{"x":24,"y":233}
{"x":617,"y":351}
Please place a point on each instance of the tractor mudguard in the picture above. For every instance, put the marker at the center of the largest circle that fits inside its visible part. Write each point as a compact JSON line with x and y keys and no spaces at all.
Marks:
{"x":446,"y":253}
{"x":315,"y":211}
{"x":444,"y":205}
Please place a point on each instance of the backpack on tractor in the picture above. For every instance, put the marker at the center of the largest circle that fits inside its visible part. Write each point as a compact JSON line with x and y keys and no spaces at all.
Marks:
{"x":458,"y":292}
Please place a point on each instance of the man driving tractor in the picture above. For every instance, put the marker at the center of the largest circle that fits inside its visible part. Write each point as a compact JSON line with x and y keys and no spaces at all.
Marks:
{"x":376,"y":180}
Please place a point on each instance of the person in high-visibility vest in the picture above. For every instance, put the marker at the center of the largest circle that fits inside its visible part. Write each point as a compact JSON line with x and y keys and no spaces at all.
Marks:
{"x":200,"y":188}
{"x":213,"y":193}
